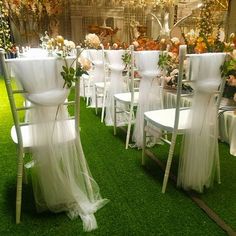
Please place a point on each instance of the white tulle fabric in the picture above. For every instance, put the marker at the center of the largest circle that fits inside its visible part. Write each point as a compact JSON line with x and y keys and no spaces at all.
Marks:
{"x":200,"y":145}
{"x":34,"y":53}
{"x":61,"y":177}
{"x":117,"y":85}
{"x":97,"y":73}
{"x":150,"y":95}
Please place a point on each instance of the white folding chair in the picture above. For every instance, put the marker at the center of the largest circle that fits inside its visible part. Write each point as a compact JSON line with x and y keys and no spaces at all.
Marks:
{"x":86,"y":82}
{"x":21,"y":131}
{"x":96,"y":56}
{"x":174,"y":120}
{"x":101,"y":87}
{"x":127,"y":101}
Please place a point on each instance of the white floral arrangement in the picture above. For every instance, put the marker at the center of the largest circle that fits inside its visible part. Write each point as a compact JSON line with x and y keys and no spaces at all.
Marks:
{"x":92,"y":41}
{"x":60,"y":46}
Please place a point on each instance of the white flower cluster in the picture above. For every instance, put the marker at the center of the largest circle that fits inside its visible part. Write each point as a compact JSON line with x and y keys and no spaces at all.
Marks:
{"x":92,"y":41}
{"x":175,"y":40}
{"x":69,"y":45}
{"x":85,"y":63}
{"x":60,"y":45}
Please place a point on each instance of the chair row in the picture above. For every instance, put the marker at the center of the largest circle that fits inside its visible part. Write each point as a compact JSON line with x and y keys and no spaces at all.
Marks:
{"x":199,"y":159}
{"x":122,"y":90}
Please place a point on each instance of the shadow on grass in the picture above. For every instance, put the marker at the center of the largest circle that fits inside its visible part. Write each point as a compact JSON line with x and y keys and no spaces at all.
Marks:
{"x":28,"y":209}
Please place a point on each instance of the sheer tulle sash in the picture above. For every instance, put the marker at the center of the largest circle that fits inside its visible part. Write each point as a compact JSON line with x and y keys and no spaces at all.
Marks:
{"x":200,"y":145}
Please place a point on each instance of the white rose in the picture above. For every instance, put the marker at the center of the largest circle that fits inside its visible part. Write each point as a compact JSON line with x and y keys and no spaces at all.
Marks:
{"x":232,"y":35}
{"x":85,"y":63}
{"x":66,"y":42}
{"x":115,"y":45}
{"x":175,"y":40}
{"x":136,"y":44}
{"x":174,"y":72}
{"x":70,"y":44}
{"x":163,"y":41}
{"x":92,"y":40}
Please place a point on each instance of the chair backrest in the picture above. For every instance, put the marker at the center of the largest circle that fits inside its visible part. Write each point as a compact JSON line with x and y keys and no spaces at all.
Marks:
{"x":131,"y":72}
{"x":204,"y":76}
{"x":114,"y":57}
{"x":105,"y":71}
{"x":204,"y":69}
{"x":76,"y":101}
{"x":12,"y":91}
{"x":199,"y":152}
{"x":147,"y":62}
{"x":96,"y":56}
{"x":182,"y":55}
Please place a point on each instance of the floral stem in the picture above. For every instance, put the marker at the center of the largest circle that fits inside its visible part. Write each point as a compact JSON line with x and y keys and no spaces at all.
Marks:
{"x":57,"y":112}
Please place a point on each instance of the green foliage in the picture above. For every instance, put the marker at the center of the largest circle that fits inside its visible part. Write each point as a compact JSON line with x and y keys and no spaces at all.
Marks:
{"x":228,"y":66}
{"x":165,"y":60}
{"x":68,"y":74}
{"x":71,"y":73}
{"x":80,"y":71}
{"x":126,"y":58}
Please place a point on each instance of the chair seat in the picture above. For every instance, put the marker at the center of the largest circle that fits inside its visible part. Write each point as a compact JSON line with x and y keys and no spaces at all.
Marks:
{"x":26,"y":131}
{"x":164,"y":119}
{"x":126,"y":97}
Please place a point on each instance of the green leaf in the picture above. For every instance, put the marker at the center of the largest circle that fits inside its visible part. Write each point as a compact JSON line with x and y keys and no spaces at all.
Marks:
{"x":72,"y":70}
{"x":65,"y":69}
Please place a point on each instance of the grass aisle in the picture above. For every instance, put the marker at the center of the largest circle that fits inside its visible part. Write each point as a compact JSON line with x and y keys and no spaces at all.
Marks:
{"x":136,"y":207}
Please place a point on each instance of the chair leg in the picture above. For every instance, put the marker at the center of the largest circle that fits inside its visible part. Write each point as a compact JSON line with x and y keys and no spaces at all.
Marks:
{"x":96,"y":100}
{"x":114,"y":127}
{"x":129,"y":127}
{"x":83,"y":81}
{"x":218,"y":167}
{"x":103,"y":104}
{"x":169,"y":161}
{"x":88,"y":93}
{"x":19,"y":186}
{"x":144,"y":142}
{"x":25,"y":178}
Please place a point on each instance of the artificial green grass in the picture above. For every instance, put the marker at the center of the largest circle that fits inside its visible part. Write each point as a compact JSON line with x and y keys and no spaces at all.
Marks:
{"x":136,"y":207}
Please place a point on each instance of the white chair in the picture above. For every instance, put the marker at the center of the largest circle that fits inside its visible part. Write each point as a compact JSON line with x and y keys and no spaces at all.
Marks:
{"x":21,"y":131}
{"x":61,"y":175}
{"x":102,"y":87}
{"x":179,"y":120}
{"x":86,"y":85}
{"x":128,"y":99}
{"x":150,"y":91}
{"x":96,"y":56}
{"x":86,"y":80}
{"x":116,"y":67}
